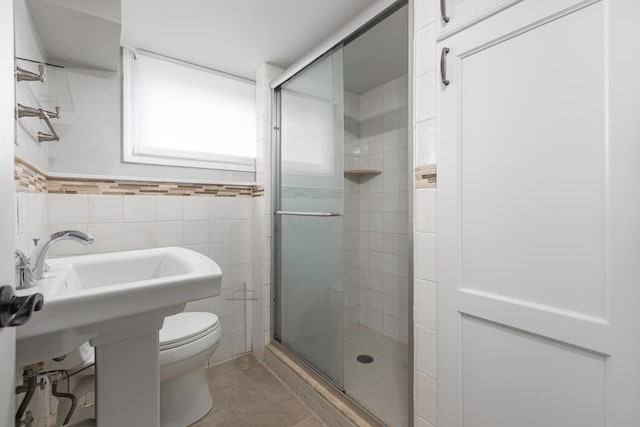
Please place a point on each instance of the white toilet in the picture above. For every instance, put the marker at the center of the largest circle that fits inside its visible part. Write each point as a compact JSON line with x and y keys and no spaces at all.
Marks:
{"x":187,"y":341}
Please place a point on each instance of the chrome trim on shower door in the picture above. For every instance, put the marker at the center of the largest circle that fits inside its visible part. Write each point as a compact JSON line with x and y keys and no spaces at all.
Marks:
{"x":299,"y":213}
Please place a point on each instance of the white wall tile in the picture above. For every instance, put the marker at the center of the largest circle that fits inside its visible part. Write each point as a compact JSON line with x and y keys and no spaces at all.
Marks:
{"x":242,"y":207}
{"x":139,"y":208}
{"x":241,"y":252}
{"x":221,"y":253}
{"x":169,"y":208}
{"x":221,"y":231}
{"x":376,"y":221}
{"x":35,"y":209}
{"x":391,"y":327}
{"x":138,"y":235}
{"x":425,"y":210}
{"x":105,"y":208}
{"x":391,"y":306}
{"x":375,"y":300}
{"x":391,"y":140}
{"x":196,"y":232}
{"x":391,"y":285}
{"x":425,"y":143}
{"x":426,"y":351}
{"x":425,"y":399}
{"x":108,"y":237}
{"x":425,"y":256}
{"x":374,"y":320}
{"x":424,"y":300}
{"x":169,"y":233}
{"x":425,"y":55}
{"x":391,"y":223}
{"x":196,"y":208}
{"x":241,"y":230}
{"x":425,"y":96}
{"x":68,"y":209}
{"x":376,"y":241}
{"x":424,"y":12}
{"x":221,"y":207}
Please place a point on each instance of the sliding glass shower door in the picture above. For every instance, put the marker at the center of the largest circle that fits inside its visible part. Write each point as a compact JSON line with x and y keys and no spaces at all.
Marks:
{"x":309,"y":220}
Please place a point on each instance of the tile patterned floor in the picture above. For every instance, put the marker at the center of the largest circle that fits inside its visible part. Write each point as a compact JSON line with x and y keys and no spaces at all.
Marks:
{"x":380,"y":386}
{"x":246,"y":394}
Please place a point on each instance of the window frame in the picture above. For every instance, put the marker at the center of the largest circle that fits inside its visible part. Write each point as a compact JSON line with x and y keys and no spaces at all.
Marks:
{"x":131,"y":152}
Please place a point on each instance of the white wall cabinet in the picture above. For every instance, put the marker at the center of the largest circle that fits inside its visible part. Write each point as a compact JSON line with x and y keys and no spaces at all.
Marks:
{"x":456,"y":15}
{"x":538,"y":207}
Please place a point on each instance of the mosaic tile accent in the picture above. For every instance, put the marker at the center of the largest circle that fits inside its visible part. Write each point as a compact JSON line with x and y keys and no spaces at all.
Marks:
{"x":29,"y":178}
{"x":258,"y":191}
{"x":138,"y":188}
{"x":426,"y":176}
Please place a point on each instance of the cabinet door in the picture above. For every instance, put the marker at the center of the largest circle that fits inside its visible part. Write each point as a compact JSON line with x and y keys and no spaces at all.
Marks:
{"x":464,"y":13}
{"x":538,"y":207}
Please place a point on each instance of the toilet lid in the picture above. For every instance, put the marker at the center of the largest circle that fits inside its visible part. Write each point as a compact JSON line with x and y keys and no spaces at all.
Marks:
{"x":183,"y":328}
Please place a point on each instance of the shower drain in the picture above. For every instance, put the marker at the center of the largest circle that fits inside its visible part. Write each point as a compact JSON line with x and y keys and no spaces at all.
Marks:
{"x":364,"y":358}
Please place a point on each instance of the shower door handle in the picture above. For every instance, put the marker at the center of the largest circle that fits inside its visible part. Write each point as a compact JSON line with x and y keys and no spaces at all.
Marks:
{"x":297,"y":213}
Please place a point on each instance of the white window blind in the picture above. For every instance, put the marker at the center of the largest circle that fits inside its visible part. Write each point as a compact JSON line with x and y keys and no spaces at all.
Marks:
{"x":183,"y":115}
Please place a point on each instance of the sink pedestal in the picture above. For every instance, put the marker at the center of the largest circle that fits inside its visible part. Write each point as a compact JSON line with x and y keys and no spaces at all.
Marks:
{"x":128,"y":376}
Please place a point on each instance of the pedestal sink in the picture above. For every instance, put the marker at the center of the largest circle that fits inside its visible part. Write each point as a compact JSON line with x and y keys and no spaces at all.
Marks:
{"x":118,"y":302}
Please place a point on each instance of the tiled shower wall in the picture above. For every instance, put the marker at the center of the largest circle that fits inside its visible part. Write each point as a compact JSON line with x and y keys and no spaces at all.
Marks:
{"x":376,"y":209}
{"x":219,"y":227}
{"x":425,"y":123}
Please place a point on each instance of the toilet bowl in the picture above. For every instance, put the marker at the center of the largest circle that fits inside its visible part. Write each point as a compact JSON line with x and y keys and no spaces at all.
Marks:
{"x":187,"y":341}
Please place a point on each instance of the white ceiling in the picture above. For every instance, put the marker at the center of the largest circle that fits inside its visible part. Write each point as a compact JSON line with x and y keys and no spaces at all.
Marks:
{"x":234,"y":36}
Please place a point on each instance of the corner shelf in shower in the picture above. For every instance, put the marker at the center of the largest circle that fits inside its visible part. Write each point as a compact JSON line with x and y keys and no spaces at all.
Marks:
{"x":361,"y":172}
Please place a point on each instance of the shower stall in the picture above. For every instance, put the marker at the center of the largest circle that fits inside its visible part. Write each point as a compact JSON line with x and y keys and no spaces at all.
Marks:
{"x":342,"y":242}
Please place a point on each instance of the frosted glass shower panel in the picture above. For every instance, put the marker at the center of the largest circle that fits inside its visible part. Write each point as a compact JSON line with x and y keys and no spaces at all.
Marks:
{"x":310,"y":264}
{"x":311,"y":149}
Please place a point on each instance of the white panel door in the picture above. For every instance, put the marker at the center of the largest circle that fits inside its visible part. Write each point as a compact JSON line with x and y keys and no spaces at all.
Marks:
{"x":539,"y":218}
{"x":7,"y":198}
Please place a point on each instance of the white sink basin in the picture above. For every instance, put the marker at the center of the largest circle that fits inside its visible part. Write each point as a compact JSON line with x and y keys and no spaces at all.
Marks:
{"x":103,"y":293}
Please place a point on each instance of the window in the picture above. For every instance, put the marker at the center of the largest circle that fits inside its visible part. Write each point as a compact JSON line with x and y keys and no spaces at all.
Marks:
{"x":180,"y":114}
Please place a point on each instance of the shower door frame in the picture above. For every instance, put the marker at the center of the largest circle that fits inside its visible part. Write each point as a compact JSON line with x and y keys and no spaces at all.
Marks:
{"x":275,"y":190}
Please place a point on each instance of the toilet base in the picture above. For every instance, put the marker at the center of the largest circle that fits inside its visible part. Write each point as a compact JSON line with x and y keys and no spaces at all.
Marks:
{"x":184,"y":399}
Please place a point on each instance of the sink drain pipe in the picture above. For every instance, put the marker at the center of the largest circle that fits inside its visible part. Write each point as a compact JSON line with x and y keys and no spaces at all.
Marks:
{"x":71,"y":397}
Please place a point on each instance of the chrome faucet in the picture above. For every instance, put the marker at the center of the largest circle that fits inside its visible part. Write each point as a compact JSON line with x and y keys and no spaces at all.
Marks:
{"x":30,"y":270}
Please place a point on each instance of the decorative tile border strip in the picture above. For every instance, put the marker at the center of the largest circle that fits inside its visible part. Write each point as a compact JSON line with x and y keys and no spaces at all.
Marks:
{"x":258,"y":191}
{"x":29,"y":178}
{"x":426,"y":176}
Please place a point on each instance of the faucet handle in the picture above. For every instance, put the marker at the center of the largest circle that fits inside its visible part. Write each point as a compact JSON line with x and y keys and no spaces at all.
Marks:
{"x":21,"y":259}
{"x":24,"y":274}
